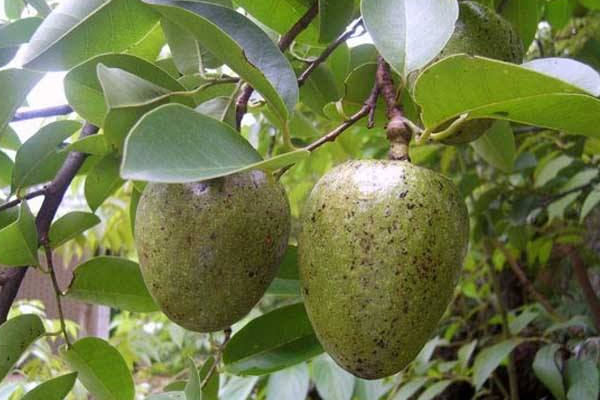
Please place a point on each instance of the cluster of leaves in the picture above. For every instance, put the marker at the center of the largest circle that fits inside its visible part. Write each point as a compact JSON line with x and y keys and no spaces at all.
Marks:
{"x":167,"y":114}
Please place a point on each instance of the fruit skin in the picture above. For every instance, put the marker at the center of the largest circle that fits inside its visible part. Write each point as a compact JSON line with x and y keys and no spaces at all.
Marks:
{"x":380,"y":251}
{"x":483,"y":32}
{"x":209,"y":250}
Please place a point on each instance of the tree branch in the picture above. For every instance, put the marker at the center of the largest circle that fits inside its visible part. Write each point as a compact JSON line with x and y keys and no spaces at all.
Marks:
{"x":16,"y":202}
{"x":518,"y":271}
{"x":583,"y":279}
{"x":366,"y":110}
{"x":398,"y":132}
{"x":55,"y":192}
{"x":328,"y":51}
{"x":42,"y":112}
{"x":284,"y":43}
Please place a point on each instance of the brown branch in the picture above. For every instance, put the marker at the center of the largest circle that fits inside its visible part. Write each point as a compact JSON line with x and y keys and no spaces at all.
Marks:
{"x":398,"y":132}
{"x":583,"y":279}
{"x":42,"y":112}
{"x":55,"y":192}
{"x":16,"y":202}
{"x":522,"y":277}
{"x":284,"y":43}
{"x":366,"y":110}
{"x":328,"y":51}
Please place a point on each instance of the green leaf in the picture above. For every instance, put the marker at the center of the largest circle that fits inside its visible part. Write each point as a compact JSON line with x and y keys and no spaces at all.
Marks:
{"x":486,"y":88}
{"x":149,"y":46}
{"x":334,"y":16}
{"x":544,"y":173}
{"x":332,"y":382}
{"x":287,"y":281}
{"x":189,"y":57}
{"x":19,"y":240}
{"x":464,"y":354}
{"x":9,"y":139}
{"x":580,"y":179}
{"x":558,"y":12}
{"x":128,"y":98}
{"x":13,"y":8}
{"x":40,"y":6}
{"x":522,"y":321}
{"x":193,"y":390}
{"x":15,"y":84}
{"x":238,"y":388}
{"x":70,"y":226}
{"x":591,"y":4}
{"x":591,"y":201}
{"x":54,"y":389}
{"x":259,"y":349}
{"x":16,"y":335}
{"x":497,"y":146}
{"x":289,"y":384}
{"x":101,"y":368}
{"x":571,"y":71}
{"x":111,"y":281}
{"x":490,"y":358}
{"x":198,"y":148}
{"x":39,"y":158}
{"x":6,"y":168}
{"x":582,"y":380}
{"x":14,"y":35}
{"x":547,"y":370}
{"x":84,"y":92}
{"x":102,"y":181}
{"x":95,"y":144}
{"x":79,"y":30}
{"x":411,"y":33}
{"x":435,"y":389}
{"x":281,"y":15}
{"x":240,"y":44}
{"x":320,"y":89}
{"x":211,"y":389}
{"x":524,"y":16}
{"x":410,"y":388}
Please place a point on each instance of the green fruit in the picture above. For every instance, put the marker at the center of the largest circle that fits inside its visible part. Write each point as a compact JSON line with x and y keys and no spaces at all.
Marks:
{"x":380,"y":251}
{"x":483,"y":32}
{"x":209,"y":250}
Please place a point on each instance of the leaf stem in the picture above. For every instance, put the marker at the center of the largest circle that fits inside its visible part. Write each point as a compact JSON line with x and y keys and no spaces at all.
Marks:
{"x":57,"y":292}
{"x":28,"y":196}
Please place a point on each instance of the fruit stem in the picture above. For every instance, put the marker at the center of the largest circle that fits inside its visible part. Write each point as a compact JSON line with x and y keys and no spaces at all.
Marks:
{"x":398,"y":131}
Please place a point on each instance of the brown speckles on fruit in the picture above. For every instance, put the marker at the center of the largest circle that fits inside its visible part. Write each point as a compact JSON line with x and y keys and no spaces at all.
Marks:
{"x":209,"y":250}
{"x":380,"y":279}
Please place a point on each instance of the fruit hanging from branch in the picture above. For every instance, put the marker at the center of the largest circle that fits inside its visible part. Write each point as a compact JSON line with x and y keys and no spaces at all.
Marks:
{"x":380,"y":252}
{"x":209,"y":250}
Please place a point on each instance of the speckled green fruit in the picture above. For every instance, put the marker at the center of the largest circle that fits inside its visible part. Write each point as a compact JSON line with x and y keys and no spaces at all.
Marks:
{"x":483,"y":32}
{"x":380,"y":252}
{"x":209,"y":250}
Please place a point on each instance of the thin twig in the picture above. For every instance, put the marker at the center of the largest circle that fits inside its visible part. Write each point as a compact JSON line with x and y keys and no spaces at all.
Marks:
{"x":328,"y":51}
{"x":398,"y":133}
{"x":55,"y":192}
{"x":28,"y":196}
{"x":218,"y":357}
{"x":583,"y":279}
{"x":518,"y":271}
{"x":365,"y":110}
{"x":284,"y":43}
{"x":57,"y":291}
{"x":512,"y":372}
{"x":42,"y":112}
